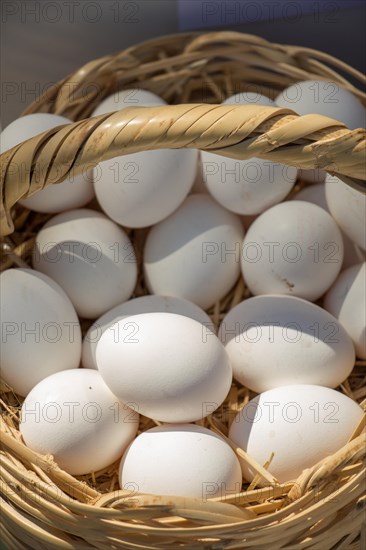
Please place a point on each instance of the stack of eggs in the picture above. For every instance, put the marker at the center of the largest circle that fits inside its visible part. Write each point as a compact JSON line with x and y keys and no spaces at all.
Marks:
{"x":212,"y":222}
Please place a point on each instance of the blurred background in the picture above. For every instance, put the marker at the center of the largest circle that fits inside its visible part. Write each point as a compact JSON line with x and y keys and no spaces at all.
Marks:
{"x":43,"y":41}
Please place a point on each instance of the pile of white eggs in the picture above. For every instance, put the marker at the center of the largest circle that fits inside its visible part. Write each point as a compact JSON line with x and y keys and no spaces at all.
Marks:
{"x":211,"y":222}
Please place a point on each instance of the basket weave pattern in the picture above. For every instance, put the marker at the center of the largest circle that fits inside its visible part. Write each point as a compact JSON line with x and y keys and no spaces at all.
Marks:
{"x":44,"y":507}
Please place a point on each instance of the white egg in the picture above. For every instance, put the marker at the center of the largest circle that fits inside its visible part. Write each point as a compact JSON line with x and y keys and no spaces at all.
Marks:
{"x":246,"y":186}
{"x":316,"y":195}
{"x":181,"y":460}
{"x":173,"y":368}
{"x":324,"y":98}
{"x":90,"y":257}
{"x":141,"y":189}
{"x":73,"y":416}
{"x":144,"y":304}
{"x":299,"y":424}
{"x":40,"y":330}
{"x":346,"y":300}
{"x":348,"y":208}
{"x":195,"y":253}
{"x":280,"y":340}
{"x":132,"y":97}
{"x":293,"y":248}
{"x":74,"y":192}
{"x":249,"y":98}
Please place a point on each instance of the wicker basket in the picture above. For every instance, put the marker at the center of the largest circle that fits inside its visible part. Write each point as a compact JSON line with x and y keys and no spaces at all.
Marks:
{"x":44,"y":507}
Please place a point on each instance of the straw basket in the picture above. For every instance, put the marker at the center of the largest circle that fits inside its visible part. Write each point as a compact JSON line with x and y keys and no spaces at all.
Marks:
{"x":42,"y":506}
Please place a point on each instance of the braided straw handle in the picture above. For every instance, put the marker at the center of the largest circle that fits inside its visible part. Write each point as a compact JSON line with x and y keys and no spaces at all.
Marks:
{"x":239,"y":132}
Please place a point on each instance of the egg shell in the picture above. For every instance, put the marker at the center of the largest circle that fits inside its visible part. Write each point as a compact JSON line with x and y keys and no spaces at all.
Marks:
{"x":182,"y":460}
{"x":249,"y":98}
{"x":73,"y":192}
{"x":326,"y":98}
{"x":173,"y":368}
{"x":141,"y":189}
{"x":40,"y":330}
{"x":246,"y":186}
{"x":144,"y":304}
{"x":131,"y":97}
{"x":280,"y":340}
{"x":293,"y":248}
{"x":316,"y":194}
{"x":348,"y":208}
{"x":73,"y":416}
{"x":300,"y":424}
{"x":195,"y":253}
{"x":346,"y":300}
{"x":90,"y":257}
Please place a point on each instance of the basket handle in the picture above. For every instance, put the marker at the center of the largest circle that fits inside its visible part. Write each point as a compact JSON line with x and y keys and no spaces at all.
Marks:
{"x":239,"y":132}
